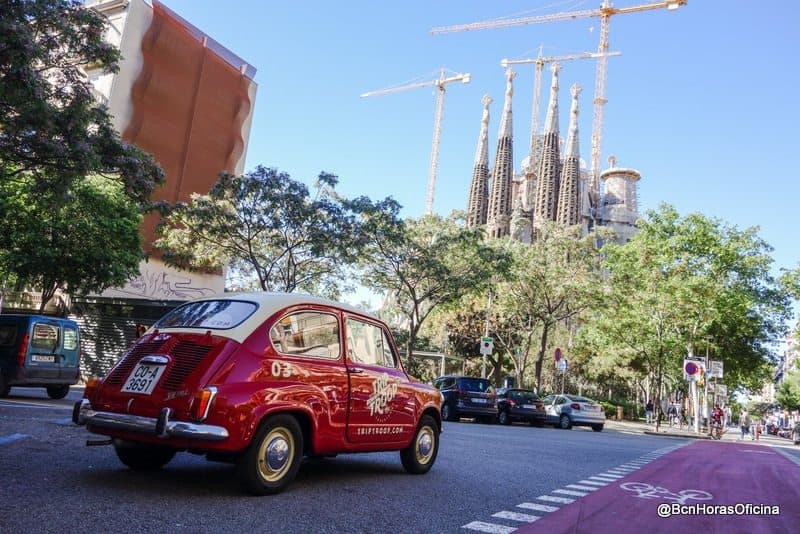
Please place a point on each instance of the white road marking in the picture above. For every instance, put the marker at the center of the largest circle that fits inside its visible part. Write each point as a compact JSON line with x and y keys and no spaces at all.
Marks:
{"x":595,"y":482}
{"x":583,"y":488}
{"x":516,"y":516}
{"x":491,"y":528}
{"x":537,"y":507}
{"x":550,"y":498}
{"x":12,"y":437}
{"x":571,"y":492}
{"x":604,"y":478}
{"x":611,"y":475}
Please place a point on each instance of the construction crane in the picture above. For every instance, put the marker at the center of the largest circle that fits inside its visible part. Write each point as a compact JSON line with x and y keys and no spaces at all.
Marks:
{"x":439,"y":83}
{"x":605,"y":12}
{"x":539,"y":63}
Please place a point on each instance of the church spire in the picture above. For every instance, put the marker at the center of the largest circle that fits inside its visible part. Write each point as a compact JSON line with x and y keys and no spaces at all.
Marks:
{"x":499,"y":213}
{"x":569,"y":185}
{"x":545,"y":204}
{"x":478,"y":201}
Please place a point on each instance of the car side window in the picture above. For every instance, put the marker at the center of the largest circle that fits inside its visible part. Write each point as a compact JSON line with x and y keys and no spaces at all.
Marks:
{"x":368,"y":344}
{"x":313,"y":334}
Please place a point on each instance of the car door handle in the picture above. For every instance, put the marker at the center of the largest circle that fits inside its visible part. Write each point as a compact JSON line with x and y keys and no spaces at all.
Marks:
{"x":355,"y":370}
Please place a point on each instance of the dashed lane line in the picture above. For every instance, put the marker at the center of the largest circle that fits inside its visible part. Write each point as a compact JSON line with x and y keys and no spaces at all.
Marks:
{"x":4,"y":440}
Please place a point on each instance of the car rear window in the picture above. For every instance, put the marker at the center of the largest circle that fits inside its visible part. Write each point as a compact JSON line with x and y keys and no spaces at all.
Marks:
{"x":45,"y":336}
{"x":212,"y":314}
{"x":8,"y":334}
{"x":524,"y":396}
{"x":575,"y":398}
{"x":480,"y":385}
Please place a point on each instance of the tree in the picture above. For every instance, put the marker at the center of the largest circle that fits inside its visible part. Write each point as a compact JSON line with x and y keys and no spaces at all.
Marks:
{"x":553,"y":281}
{"x":87,"y":244}
{"x":269,"y":228}
{"x":51,"y":127}
{"x":788,"y":394}
{"x":426,"y":263}
{"x":686,"y":285}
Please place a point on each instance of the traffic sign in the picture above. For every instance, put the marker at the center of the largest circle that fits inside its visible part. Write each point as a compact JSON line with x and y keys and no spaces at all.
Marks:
{"x":487,"y":344}
{"x":562,"y":364}
{"x":693,"y":368}
{"x":557,"y":354}
{"x":715,"y":368}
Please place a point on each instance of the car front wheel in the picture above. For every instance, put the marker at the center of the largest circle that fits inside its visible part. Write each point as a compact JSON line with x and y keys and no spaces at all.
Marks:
{"x":419,"y":456}
{"x":564,"y":422}
{"x":143,"y":457}
{"x":272,"y":460}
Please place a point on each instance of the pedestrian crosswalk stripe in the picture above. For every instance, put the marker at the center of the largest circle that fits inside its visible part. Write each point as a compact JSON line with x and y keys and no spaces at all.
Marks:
{"x":491,"y":528}
{"x":603,"y":478}
{"x":538,"y":507}
{"x":594,"y":482}
{"x":584,"y":488}
{"x":570,"y":492}
{"x":550,"y":498}
{"x":610,"y":475}
{"x":516,"y":516}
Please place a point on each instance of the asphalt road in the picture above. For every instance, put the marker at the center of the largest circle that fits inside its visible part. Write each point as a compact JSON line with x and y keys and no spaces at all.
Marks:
{"x":53,"y":482}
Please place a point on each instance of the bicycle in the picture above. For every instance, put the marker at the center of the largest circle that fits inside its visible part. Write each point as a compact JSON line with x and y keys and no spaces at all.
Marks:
{"x":716,"y":429}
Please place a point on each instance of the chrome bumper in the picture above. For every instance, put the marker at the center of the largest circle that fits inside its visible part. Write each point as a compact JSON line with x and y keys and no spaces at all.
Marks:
{"x":83,"y":414}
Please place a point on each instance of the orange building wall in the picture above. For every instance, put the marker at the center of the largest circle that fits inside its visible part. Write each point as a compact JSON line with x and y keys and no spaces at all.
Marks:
{"x":189,"y":108}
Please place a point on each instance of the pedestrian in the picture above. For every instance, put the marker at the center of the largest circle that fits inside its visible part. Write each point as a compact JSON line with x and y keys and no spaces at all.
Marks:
{"x":744,"y":423}
{"x":648,"y":412}
{"x":757,"y":429}
{"x":673,"y":415}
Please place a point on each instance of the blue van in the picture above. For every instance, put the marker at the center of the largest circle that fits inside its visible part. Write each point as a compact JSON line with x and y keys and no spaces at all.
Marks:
{"x":39,"y":351}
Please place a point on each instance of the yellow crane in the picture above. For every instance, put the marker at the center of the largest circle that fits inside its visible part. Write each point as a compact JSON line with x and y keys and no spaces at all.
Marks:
{"x":439,"y":83}
{"x":605,"y":12}
{"x":539,"y":63}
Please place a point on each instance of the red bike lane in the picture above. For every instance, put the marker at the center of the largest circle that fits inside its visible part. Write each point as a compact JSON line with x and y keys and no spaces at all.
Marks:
{"x":707,"y":486}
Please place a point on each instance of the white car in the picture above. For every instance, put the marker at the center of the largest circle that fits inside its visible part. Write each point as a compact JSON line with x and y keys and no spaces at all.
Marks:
{"x":566,"y":411}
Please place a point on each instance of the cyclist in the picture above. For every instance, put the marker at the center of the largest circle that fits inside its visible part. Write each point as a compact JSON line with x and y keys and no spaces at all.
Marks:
{"x":716,"y":419}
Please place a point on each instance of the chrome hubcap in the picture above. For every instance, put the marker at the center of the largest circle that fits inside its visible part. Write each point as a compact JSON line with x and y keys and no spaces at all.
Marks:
{"x":275,"y":454}
{"x":425,"y":445}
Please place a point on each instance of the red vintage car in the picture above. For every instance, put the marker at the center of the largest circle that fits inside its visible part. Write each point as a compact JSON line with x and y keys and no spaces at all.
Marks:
{"x":261,"y":380}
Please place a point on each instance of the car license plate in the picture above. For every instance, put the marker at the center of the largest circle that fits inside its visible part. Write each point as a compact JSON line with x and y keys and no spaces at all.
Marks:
{"x":143,"y":379}
{"x":44,"y":358}
{"x":528,"y":406}
{"x":479,"y":401}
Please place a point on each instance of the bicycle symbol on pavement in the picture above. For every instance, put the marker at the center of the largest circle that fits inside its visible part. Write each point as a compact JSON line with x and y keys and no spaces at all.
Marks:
{"x":646,"y":491}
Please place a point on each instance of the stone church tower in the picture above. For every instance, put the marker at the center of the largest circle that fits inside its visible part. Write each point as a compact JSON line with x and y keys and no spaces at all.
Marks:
{"x":499,"y":213}
{"x":546,"y":199}
{"x":569,"y":191}
{"x":478,"y":202}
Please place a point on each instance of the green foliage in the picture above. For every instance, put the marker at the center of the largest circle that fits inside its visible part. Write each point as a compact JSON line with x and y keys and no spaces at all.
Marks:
{"x":426,"y":263}
{"x":51,"y":128}
{"x":788,"y":394}
{"x":269,"y":228}
{"x":87,"y":244}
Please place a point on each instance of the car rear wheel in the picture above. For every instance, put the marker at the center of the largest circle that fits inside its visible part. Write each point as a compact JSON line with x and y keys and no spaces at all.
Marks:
{"x":448,"y":413}
{"x":418,"y":458}
{"x":597,"y":428}
{"x":140,"y":456}
{"x":504,"y":418}
{"x":564,"y":422}
{"x":272,"y":460}
{"x":57,"y":392}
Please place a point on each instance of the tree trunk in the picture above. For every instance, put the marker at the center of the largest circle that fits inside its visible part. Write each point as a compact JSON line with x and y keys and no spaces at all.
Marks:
{"x":540,"y":358}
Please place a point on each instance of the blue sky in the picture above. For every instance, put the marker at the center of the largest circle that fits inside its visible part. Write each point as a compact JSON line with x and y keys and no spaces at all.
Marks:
{"x":701,"y":101}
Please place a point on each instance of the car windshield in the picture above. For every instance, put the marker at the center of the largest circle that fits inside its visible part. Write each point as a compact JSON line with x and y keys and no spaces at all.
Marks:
{"x":480,"y":385}
{"x":213,"y":314}
{"x":575,"y":398}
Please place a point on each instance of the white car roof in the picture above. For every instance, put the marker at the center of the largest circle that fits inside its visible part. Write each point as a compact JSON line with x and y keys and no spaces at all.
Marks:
{"x":268,"y":304}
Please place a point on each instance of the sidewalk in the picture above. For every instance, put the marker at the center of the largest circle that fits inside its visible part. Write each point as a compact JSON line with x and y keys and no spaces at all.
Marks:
{"x":731,"y":433}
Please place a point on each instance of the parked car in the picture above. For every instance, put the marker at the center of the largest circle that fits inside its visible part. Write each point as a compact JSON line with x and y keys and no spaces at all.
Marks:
{"x":261,"y":380}
{"x":39,"y":351}
{"x":467,"y":396}
{"x":517,"y":404}
{"x":566,"y":411}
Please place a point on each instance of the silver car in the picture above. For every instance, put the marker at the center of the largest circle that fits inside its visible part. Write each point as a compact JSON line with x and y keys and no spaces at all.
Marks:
{"x":566,"y":411}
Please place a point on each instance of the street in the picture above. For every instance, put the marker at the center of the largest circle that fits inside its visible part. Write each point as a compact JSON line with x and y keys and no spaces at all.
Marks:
{"x":487,"y":478}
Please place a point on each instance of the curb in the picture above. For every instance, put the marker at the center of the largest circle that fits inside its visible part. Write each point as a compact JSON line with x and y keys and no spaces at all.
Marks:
{"x":675,"y":435}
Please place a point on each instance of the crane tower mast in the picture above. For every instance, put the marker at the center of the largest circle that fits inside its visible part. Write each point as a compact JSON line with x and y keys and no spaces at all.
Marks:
{"x":439,"y":83}
{"x":605,"y":12}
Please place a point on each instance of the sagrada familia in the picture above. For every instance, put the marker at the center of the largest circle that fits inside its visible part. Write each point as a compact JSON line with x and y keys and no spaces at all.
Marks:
{"x":552,"y":186}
